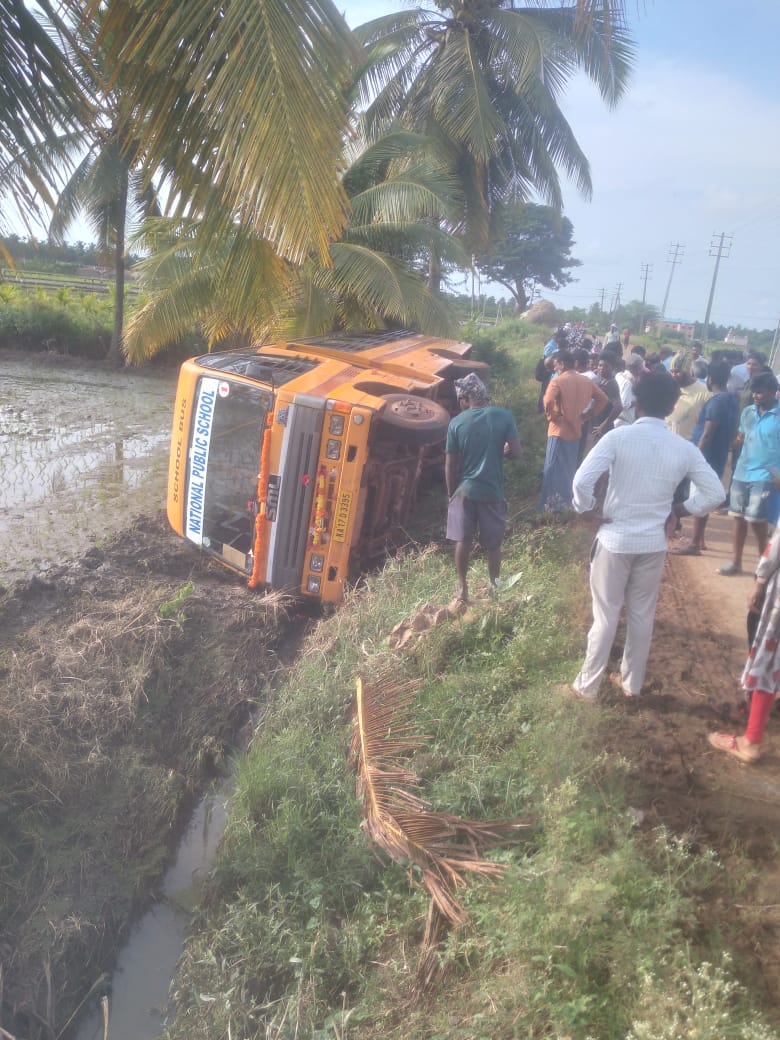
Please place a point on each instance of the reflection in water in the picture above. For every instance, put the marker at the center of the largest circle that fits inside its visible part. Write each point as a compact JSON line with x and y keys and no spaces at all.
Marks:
{"x":83,"y":452}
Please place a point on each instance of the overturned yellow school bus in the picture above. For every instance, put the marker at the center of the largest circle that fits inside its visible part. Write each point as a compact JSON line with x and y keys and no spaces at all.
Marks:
{"x":297,"y":464}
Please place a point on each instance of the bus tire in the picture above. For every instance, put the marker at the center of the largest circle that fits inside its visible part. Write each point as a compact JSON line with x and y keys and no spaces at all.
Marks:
{"x":411,"y":420}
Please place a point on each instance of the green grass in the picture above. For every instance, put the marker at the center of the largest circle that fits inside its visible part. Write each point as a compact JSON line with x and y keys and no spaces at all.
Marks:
{"x":593,"y":931}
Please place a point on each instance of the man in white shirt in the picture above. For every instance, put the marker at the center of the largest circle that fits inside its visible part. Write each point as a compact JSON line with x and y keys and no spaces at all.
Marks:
{"x":645,"y":462}
{"x":613,"y":336}
{"x":626,"y":381}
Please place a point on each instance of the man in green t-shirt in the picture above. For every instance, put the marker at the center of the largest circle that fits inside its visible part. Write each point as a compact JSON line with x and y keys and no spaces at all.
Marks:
{"x":478,"y":440}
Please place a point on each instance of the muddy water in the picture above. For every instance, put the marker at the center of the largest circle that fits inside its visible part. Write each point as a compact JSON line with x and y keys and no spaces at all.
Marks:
{"x":83,"y":451}
{"x":147,"y":963}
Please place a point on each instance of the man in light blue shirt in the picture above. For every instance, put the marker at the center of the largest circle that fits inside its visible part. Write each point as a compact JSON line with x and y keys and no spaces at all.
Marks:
{"x":757,"y":472}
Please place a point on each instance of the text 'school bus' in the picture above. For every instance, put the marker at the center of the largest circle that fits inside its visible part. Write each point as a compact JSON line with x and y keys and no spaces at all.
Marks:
{"x":295,"y":464}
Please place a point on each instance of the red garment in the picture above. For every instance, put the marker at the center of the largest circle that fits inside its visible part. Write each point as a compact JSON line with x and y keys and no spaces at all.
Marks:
{"x":760,"y":706}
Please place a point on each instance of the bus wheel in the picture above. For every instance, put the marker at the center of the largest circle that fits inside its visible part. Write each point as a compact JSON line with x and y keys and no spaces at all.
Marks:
{"x":411,"y":420}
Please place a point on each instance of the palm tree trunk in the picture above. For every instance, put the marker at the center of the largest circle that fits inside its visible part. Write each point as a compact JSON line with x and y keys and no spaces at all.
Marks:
{"x":115,"y":353}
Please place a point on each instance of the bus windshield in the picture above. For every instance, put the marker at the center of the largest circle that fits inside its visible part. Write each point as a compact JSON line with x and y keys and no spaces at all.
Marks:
{"x":228,"y":423}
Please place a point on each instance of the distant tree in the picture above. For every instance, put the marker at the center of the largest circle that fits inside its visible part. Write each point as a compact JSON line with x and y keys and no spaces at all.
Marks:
{"x":533,"y":248}
{"x":633,"y":315}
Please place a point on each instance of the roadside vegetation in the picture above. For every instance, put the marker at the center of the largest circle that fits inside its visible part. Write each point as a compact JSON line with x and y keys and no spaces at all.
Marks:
{"x":601,"y":927}
{"x":63,"y":321}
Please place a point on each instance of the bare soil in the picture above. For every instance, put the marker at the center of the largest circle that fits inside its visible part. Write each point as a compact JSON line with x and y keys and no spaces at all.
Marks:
{"x":126,"y":679}
{"x":120,"y":710}
{"x":699,"y":649}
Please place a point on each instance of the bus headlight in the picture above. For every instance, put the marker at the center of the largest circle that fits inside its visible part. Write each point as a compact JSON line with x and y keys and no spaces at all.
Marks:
{"x":313,"y":584}
{"x":316,"y":563}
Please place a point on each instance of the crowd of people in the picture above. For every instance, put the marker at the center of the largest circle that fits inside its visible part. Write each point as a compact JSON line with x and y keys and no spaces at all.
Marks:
{"x":637,"y":441}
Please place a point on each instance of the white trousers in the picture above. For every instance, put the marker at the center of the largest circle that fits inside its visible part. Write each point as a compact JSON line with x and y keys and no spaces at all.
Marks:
{"x":618,"y":579}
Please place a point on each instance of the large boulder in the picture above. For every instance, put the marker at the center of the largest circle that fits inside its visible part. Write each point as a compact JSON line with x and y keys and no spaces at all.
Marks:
{"x":541,"y":313}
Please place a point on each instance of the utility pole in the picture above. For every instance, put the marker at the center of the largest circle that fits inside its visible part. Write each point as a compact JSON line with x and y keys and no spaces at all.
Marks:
{"x":616,"y":299}
{"x":603,"y":293}
{"x":674,"y":260}
{"x":645,"y":270}
{"x":773,"y":351}
{"x":722,"y":250}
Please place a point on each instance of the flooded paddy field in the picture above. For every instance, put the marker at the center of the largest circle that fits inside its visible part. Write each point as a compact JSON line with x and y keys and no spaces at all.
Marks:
{"x":83,"y":452}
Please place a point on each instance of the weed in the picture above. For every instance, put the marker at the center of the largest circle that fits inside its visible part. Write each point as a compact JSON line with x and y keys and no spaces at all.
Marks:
{"x":681,"y":998}
{"x":171,"y":608}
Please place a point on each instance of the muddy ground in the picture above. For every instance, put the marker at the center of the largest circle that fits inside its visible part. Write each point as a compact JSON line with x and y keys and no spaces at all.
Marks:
{"x":126,"y":679}
{"x":699,"y":648}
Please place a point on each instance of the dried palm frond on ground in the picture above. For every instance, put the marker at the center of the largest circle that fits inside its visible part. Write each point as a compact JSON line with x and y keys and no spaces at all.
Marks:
{"x":442,"y":847}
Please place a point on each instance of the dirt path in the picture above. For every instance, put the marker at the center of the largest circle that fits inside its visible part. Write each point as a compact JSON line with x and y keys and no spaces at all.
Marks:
{"x":699,"y":648}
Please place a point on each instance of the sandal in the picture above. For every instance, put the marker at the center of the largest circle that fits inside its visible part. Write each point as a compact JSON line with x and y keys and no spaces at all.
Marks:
{"x":729,"y":570}
{"x":728,"y":742}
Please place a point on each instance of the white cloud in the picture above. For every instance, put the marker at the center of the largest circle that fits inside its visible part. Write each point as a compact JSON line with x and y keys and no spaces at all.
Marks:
{"x":689,"y":153}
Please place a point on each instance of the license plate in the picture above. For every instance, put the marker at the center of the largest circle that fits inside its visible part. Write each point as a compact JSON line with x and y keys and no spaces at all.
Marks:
{"x":342,"y":516}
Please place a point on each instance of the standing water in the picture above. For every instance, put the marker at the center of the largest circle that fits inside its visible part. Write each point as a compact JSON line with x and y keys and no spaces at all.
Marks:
{"x":83,"y":452}
{"x":147,"y":963}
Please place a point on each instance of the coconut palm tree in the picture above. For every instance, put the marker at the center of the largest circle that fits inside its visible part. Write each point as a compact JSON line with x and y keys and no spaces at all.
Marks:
{"x":243,"y":103}
{"x":39,"y":93}
{"x":486,"y":77}
{"x":110,"y":191}
{"x":240,"y":291}
{"x":96,"y":170}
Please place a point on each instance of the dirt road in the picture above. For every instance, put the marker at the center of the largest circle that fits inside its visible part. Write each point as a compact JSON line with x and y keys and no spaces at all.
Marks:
{"x":699,"y":648}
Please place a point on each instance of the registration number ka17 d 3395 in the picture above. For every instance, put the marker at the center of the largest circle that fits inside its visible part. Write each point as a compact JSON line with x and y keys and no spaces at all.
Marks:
{"x":342,"y":516}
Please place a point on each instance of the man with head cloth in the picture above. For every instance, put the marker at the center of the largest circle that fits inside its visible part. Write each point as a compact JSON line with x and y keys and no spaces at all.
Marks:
{"x":477,"y":441}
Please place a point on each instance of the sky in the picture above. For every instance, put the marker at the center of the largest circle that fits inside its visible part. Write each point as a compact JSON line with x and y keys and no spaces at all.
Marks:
{"x":691,"y":153}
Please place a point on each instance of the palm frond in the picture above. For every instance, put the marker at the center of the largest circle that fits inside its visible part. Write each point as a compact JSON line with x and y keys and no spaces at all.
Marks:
{"x":255,"y":95}
{"x":440,"y":849}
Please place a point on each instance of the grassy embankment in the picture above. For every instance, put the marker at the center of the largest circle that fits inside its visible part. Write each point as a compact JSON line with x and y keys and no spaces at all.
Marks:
{"x":594,"y":931}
